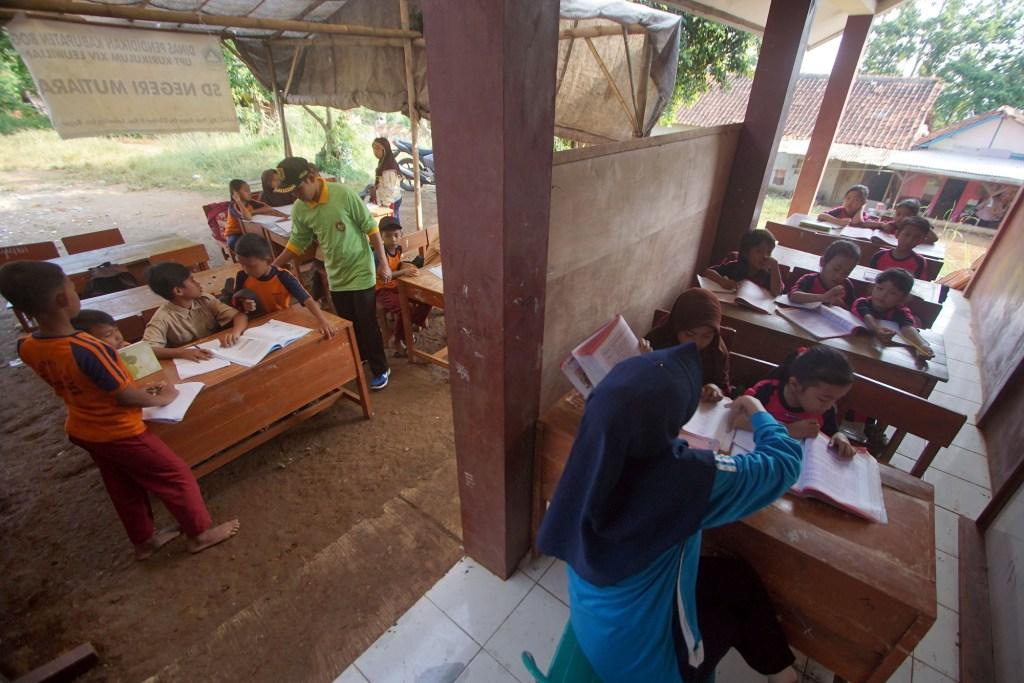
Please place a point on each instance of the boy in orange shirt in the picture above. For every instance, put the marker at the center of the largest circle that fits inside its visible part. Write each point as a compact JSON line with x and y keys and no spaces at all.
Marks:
{"x":105,"y":413}
{"x":387,"y":292}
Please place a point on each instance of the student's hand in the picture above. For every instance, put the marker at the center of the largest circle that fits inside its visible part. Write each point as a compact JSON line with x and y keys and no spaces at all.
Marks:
{"x":328,"y":330}
{"x":645,"y":346}
{"x":384,"y":271}
{"x":771,"y":262}
{"x":162,"y":393}
{"x":710,"y":393}
{"x":844,"y":221}
{"x":229,"y":339}
{"x":279,"y":214}
{"x":728,"y":282}
{"x":744,"y":408}
{"x":884,"y":333}
{"x":195,"y":353}
{"x":803,"y":429}
{"x":834,"y":297}
{"x":926,"y":352}
{"x":842,"y":445}
{"x":408,"y":269}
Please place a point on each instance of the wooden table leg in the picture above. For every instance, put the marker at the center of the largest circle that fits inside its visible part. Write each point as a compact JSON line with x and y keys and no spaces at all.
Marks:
{"x":364,"y":389}
{"x":406,"y":312}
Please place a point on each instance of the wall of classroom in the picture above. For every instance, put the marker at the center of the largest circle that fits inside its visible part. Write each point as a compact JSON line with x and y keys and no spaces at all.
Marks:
{"x":630,"y":224}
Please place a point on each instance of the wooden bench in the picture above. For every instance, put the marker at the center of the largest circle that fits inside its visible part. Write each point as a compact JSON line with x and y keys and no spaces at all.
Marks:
{"x":34,"y":251}
{"x":100,"y":239}
{"x":192,"y":257}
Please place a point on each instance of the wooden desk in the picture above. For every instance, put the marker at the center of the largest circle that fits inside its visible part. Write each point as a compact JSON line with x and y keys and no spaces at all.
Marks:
{"x":134,"y":256}
{"x":240,"y":408}
{"x":772,"y":338}
{"x":853,"y":595}
{"x":426,"y":288}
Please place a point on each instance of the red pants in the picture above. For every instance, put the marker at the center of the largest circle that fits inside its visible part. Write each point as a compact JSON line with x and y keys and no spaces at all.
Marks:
{"x":388,"y":300}
{"x":131,"y":468}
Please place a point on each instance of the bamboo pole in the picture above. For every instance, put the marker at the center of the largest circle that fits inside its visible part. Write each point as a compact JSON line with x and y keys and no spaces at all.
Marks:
{"x":291,"y":71}
{"x":637,"y":123}
{"x":280,"y":103}
{"x":599,"y":31}
{"x":611,"y":82}
{"x":414,"y":117}
{"x":175,"y":17}
{"x":645,"y":71}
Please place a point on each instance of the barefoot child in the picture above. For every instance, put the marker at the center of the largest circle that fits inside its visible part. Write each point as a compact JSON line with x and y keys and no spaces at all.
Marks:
{"x":187,"y":316}
{"x":241,"y":208}
{"x":697,"y":317}
{"x":754,"y":262}
{"x":273,"y":288}
{"x":100,"y":325}
{"x":105,"y":413}
{"x":387,"y":292}
{"x":832,"y":285}
{"x":851,"y":211}
{"x":888,"y":302}
{"x":910,"y":233}
{"x":802,"y":394}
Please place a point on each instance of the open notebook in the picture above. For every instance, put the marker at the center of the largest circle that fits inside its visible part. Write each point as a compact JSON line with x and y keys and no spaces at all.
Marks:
{"x":592,"y":359}
{"x":709,"y":427}
{"x":851,"y":484}
{"x":175,"y":410}
{"x":747,"y":294}
{"x":256,"y":342}
{"x":828,"y":322}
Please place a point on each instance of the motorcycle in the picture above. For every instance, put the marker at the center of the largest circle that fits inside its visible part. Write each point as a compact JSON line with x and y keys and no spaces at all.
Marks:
{"x":406,"y":164}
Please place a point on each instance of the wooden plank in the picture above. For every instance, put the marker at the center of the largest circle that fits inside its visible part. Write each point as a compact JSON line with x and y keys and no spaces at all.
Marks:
{"x":977,"y":663}
{"x":122,"y":254}
{"x":67,"y":667}
{"x":816,"y":241}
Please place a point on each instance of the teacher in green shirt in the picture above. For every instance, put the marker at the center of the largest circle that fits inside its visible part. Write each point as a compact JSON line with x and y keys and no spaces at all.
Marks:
{"x":334,"y":216}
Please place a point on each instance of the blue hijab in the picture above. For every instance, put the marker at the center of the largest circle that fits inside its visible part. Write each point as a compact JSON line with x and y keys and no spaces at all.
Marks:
{"x":632,"y":488}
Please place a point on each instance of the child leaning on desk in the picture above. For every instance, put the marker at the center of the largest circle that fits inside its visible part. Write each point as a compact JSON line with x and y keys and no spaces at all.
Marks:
{"x":187,"y":315}
{"x":851,"y":211}
{"x":888,"y":302}
{"x":105,"y":413}
{"x":387,"y":292}
{"x":241,"y":208}
{"x":261,"y":287}
{"x":753,"y":262}
{"x":910,"y":233}
{"x":832,"y":285}
{"x":905,"y":208}
{"x":802,"y":394}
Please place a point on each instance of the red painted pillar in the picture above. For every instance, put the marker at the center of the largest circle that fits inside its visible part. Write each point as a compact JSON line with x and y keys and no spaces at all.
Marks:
{"x":778,"y":65}
{"x":491,"y":71}
{"x":837,"y":91}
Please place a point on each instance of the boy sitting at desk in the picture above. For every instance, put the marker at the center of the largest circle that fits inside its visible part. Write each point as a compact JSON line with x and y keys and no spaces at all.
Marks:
{"x":187,"y":315}
{"x":911,"y":232}
{"x":888,"y":302}
{"x":387,"y":292}
{"x":905,"y":208}
{"x":101,"y":325}
{"x":105,"y":413}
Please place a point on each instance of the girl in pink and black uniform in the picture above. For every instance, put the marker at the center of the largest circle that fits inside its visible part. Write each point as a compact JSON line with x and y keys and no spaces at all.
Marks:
{"x":753,"y":262}
{"x":911,"y":232}
{"x":851,"y":211}
{"x":802,"y":394}
{"x":888,"y":303}
{"x":832,"y":285}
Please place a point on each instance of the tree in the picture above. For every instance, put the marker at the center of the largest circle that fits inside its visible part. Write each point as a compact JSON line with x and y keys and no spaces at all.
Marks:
{"x":15,"y":85}
{"x":976,"y":48}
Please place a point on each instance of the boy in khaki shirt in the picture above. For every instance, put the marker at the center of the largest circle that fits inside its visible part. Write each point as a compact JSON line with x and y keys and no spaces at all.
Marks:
{"x":188,"y":315}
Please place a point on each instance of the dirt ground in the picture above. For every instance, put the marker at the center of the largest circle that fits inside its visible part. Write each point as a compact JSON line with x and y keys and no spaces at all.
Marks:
{"x":345,"y":521}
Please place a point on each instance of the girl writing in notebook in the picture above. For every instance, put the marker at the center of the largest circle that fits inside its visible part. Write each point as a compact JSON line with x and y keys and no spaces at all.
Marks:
{"x":627,"y":519}
{"x":753,"y":262}
{"x":697,"y":317}
{"x":802,"y":393}
{"x":832,"y":285}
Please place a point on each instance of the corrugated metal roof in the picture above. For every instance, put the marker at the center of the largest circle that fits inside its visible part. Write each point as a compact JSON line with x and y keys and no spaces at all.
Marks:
{"x":969,"y":166}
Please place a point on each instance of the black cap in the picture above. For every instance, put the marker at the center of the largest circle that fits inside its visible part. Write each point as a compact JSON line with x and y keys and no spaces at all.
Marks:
{"x":291,"y":172}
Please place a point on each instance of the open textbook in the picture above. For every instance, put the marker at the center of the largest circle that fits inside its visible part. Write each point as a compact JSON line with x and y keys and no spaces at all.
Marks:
{"x":176,"y":409}
{"x":814,"y":224}
{"x":710,"y":428}
{"x":747,"y":294}
{"x":256,"y":342}
{"x":266,"y":219}
{"x":828,"y":322}
{"x":140,"y":359}
{"x":851,"y":484}
{"x":592,"y":359}
{"x":874,"y":235}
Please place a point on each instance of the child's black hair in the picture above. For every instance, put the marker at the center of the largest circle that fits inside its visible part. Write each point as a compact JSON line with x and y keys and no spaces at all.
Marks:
{"x":862,"y":189}
{"x":389,"y":223}
{"x":88,"y":318}
{"x":898,"y":277}
{"x":919,"y":222}
{"x":841,"y":248}
{"x":253,"y":246}
{"x":754,"y":239}
{"x":164,"y":277}
{"x":236,"y":185}
{"x":816,"y":365}
{"x":909,"y":203}
{"x":30,"y":285}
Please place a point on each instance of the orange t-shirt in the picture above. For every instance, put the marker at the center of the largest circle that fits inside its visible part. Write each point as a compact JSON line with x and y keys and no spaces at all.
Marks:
{"x":394,"y":263}
{"x":85,"y":372}
{"x":275,"y":290}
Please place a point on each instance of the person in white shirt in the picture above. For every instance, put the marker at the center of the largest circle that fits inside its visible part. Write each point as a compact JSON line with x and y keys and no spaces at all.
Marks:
{"x":387,"y":186}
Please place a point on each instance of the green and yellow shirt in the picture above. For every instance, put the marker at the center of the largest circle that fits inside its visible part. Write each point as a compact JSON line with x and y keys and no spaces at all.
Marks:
{"x":341,"y":223}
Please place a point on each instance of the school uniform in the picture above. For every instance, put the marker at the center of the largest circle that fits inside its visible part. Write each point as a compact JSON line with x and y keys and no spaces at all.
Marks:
{"x":173,"y":325}
{"x":274,"y":291}
{"x":770,"y":393}
{"x":840,"y":212}
{"x":233,"y":230}
{"x":86,"y":374}
{"x":739,"y":270}
{"x":387,"y":298}
{"x":627,"y":519}
{"x":811,"y":283}
{"x":900,"y":314}
{"x":915,"y":263}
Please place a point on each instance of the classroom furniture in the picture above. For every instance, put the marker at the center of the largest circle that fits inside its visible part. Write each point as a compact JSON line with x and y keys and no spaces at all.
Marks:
{"x":817,"y":241}
{"x":193,"y":257}
{"x":34,"y":251}
{"x":854,"y":595}
{"x":76,"y":244}
{"x":216,"y":218}
{"x":132,"y":308}
{"x":240,"y":408}
{"x":427,"y":288}
{"x":415,"y":241}
{"x":773,"y":337}
{"x":134,"y":256}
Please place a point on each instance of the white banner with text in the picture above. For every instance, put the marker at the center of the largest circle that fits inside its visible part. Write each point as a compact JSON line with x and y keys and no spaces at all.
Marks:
{"x":98,"y":80}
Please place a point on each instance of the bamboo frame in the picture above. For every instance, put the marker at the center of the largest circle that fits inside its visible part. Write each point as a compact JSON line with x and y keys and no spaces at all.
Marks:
{"x":611,"y":82}
{"x":280,"y":102}
{"x":291,"y":71}
{"x":645,"y":70}
{"x":637,"y":123}
{"x":414,"y":117}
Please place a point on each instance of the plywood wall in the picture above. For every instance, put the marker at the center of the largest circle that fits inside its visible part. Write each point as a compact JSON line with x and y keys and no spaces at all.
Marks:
{"x":630,"y":224}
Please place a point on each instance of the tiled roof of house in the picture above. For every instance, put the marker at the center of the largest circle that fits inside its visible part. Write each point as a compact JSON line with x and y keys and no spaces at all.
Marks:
{"x":1004,"y":111}
{"x":885,"y":112}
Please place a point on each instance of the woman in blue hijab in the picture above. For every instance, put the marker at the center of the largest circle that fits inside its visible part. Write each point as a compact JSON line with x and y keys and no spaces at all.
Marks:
{"x":627,"y":519}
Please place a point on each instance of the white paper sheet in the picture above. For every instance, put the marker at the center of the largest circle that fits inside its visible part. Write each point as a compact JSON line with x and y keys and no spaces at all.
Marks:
{"x":191,"y":368}
{"x":174,"y":411}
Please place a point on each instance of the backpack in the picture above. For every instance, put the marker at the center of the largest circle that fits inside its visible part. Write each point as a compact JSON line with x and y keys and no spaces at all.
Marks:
{"x":107,"y":278}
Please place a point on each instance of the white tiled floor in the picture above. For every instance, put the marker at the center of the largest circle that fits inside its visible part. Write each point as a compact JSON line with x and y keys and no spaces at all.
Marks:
{"x":471,"y":627}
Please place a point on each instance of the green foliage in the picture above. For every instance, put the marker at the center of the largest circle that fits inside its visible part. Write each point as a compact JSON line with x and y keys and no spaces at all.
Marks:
{"x":253,"y":103}
{"x":975,"y":47}
{"x":15,"y":114}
